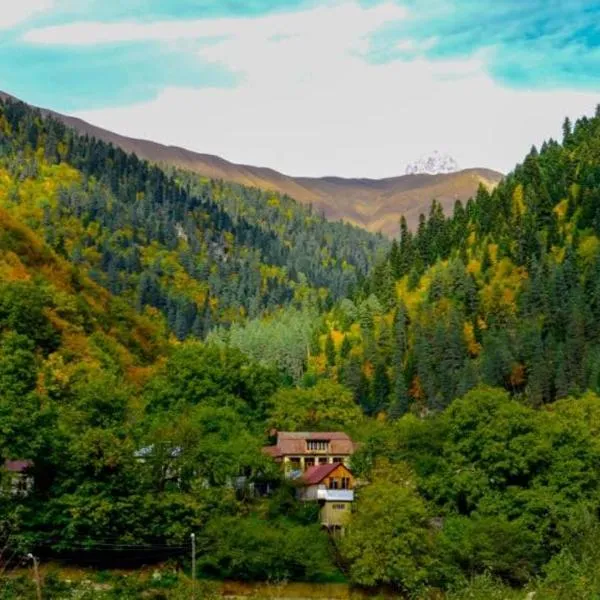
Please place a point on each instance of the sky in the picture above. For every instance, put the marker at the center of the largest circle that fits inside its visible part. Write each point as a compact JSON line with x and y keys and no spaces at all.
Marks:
{"x":355,"y":88}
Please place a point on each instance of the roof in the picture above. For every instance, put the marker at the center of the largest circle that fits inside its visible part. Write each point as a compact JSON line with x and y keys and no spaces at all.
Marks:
{"x":312,"y":435}
{"x":316,"y":474}
{"x":17,"y":466}
{"x":271,"y":450}
{"x":294,"y":443}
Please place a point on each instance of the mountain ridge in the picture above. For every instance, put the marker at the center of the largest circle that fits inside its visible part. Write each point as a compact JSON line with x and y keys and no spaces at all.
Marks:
{"x":374,"y":204}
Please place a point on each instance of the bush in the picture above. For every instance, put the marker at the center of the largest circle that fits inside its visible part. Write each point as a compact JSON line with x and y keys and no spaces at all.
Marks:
{"x":254,"y":549}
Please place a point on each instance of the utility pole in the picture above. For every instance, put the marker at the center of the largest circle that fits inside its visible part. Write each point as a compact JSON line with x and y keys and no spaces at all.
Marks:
{"x":36,"y":573}
{"x":193,"y":536}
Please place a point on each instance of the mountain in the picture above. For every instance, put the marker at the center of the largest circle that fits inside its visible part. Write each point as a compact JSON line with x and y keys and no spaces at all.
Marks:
{"x":374,"y":204}
{"x":504,"y":292}
{"x":200,"y":253}
{"x":434,"y":164}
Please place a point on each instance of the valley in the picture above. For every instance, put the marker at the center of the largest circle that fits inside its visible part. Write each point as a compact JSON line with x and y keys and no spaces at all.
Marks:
{"x":159,"y":330}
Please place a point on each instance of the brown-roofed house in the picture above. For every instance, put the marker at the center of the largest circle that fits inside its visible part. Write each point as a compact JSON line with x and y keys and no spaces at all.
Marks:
{"x":20,"y":479}
{"x":298,"y":451}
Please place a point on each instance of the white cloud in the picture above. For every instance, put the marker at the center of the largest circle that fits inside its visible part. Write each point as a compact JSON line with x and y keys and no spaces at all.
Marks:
{"x":309,"y":104}
{"x":348,"y":18}
{"x":13,"y":12}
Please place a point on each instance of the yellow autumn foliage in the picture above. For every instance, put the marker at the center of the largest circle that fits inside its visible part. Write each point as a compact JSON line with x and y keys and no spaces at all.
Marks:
{"x":337,"y":337}
{"x":501,"y":291}
{"x":473,"y":346}
{"x":588,"y":249}
{"x":560,"y":210}
{"x":518,"y":204}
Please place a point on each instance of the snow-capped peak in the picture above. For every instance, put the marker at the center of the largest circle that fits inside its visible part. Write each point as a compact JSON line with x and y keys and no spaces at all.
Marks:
{"x":434,"y":164}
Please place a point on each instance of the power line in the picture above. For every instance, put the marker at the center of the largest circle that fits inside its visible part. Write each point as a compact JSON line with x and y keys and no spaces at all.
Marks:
{"x":95,"y":544}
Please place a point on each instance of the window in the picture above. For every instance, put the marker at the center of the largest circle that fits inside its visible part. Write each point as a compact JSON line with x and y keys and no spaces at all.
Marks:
{"x":318,"y":445}
{"x":337,"y":459}
{"x":309,"y":462}
{"x":338,"y":506}
{"x":345,"y":483}
{"x":322,"y":460}
{"x":293,"y":465}
{"x":333,"y":484}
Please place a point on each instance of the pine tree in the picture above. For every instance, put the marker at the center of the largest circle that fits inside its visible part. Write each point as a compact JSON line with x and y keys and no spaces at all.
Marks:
{"x":330,"y":350}
{"x":400,"y":399}
{"x":406,"y":249}
{"x":400,"y":341}
{"x":356,"y":381}
{"x":181,"y":324}
{"x":567,"y":130}
{"x":381,"y":389}
{"x":486,"y":261}
{"x":395,"y":259}
{"x":346,"y":347}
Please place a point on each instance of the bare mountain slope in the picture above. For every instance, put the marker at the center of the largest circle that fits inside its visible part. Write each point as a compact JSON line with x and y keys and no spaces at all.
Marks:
{"x":375,"y":204}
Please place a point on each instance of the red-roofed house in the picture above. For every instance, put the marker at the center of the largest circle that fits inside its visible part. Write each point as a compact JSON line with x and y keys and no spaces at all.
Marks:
{"x":301,"y":450}
{"x":332,"y":486}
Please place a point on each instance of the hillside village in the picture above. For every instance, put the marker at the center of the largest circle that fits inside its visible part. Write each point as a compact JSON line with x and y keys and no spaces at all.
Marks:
{"x":317,"y":462}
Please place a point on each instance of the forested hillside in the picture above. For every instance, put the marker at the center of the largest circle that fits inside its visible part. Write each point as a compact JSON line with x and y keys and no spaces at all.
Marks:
{"x":135,"y":442}
{"x":201,"y":253}
{"x":496,"y":484}
{"x":504,"y":292}
{"x":465,"y":363}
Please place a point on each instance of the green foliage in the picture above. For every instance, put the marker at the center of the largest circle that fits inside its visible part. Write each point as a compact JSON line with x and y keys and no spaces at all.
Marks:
{"x":20,"y":407}
{"x":510,"y":488}
{"x":485,"y":587}
{"x":22,"y":310}
{"x":325,"y":407}
{"x":160,"y":584}
{"x":282,"y":341}
{"x":488,"y":544}
{"x":197,"y":374}
{"x":255,"y":549}
{"x":388,"y":541}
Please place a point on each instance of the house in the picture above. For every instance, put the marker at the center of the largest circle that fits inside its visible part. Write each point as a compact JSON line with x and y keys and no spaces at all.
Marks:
{"x":20,"y":480}
{"x":301,"y":450}
{"x":332,"y":486}
{"x":165,"y":459}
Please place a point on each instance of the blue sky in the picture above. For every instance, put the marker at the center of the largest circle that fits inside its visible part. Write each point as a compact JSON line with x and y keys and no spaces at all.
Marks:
{"x":347,"y":87}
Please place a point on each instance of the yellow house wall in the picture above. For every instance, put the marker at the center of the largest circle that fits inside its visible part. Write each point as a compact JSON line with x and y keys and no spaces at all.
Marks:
{"x":334,"y":517}
{"x":315,"y":457}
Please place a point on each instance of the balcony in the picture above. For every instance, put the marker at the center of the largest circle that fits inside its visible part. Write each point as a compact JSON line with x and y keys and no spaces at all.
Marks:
{"x":292,"y":473}
{"x":335,"y":495}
